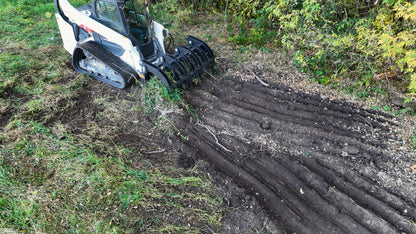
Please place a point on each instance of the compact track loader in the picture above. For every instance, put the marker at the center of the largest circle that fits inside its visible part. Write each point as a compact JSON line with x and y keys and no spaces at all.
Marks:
{"x":117,"y":42}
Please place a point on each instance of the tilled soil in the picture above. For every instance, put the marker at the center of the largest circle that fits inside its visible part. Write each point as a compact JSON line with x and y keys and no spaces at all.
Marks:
{"x":315,"y":165}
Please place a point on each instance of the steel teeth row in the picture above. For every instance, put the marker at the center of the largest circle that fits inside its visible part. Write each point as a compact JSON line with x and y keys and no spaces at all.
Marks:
{"x":188,"y":62}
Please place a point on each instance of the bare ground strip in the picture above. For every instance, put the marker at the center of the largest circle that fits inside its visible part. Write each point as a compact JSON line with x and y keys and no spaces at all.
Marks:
{"x":314,"y":164}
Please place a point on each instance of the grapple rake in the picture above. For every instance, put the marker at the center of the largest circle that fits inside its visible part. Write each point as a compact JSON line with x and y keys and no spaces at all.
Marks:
{"x":185,"y":64}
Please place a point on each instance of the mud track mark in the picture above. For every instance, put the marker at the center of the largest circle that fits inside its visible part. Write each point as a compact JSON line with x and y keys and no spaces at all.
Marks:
{"x":305,"y":158}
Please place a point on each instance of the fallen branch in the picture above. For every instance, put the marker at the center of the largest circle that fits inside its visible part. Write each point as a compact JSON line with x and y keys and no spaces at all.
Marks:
{"x":156,"y":152}
{"x":254,"y":74}
{"x":212,"y":76}
{"x":216,"y":139}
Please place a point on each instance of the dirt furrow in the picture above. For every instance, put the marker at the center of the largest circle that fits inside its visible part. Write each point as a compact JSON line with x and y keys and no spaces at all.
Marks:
{"x":286,"y":133}
{"x":306,"y":111}
{"x":360,"y":197}
{"x":308,"y":198}
{"x":301,"y":197}
{"x":324,"y":128}
{"x":301,"y":101}
{"x":405,"y":208}
{"x":338,"y":199}
{"x":300,"y":155}
{"x":266,"y":196}
{"x":279,"y":112}
{"x":341,"y":109}
{"x":305,"y":201}
{"x":309,"y":216}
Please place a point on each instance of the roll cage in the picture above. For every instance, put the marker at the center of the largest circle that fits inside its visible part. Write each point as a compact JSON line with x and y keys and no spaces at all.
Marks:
{"x":127,"y":17}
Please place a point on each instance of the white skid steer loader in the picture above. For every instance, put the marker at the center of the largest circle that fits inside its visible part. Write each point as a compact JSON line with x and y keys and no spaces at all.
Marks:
{"x":117,"y":42}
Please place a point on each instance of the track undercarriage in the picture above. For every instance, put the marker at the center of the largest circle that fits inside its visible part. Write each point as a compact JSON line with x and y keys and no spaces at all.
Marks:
{"x":92,"y":59}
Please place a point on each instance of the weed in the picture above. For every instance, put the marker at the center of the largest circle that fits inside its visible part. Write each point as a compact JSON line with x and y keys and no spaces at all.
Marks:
{"x":387,"y":108}
{"x":192,"y":112}
{"x":105,"y":183}
{"x":363,"y":94}
{"x":208,"y":36}
{"x":193,"y":181}
{"x":332,"y":40}
{"x":243,"y":49}
{"x":401,"y":112}
{"x":413,"y":139}
{"x":170,"y":12}
{"x":169,"y":127}
{"x":304,"y":154}
{"x":155,"y":93}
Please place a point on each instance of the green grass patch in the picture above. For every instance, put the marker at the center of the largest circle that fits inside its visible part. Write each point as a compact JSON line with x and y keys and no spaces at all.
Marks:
{"x":53,"y":184}
{"x":157,"y":97}
{"x":62,"y":167}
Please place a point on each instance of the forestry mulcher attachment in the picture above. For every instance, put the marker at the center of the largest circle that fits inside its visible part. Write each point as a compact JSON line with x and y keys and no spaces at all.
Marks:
{"x":117,"y":42}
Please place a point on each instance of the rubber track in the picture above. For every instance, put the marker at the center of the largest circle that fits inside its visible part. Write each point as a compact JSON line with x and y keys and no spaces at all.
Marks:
{"x":319,"y":192}
{"x":114,"y":62}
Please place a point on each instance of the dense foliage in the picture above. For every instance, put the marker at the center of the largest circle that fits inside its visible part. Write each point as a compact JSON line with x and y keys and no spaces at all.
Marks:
{"x":368,"y":41}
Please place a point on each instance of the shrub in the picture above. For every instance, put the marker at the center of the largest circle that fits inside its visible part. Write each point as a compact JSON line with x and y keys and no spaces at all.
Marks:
{"x":364,"y":40}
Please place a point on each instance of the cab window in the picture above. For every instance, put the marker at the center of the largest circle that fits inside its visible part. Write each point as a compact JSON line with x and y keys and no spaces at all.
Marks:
{"x":107,"y":11}
{"x":135,"y":14}
{"x":108,"y":15}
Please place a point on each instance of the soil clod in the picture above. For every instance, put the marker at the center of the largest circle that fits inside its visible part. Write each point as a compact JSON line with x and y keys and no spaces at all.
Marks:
{"x":267,"y":125}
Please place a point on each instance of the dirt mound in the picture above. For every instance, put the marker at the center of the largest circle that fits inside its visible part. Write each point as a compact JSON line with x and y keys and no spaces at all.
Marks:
{"x":316,"y":165}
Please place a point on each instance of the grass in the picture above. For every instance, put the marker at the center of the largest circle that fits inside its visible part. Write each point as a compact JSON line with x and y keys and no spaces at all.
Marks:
{"x":156,"y":94}
{"x":83,"y":183}
{"x":66,"y":163}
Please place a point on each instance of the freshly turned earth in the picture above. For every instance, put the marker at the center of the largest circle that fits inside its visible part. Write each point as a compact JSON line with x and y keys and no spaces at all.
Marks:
{"x":314,"y":165}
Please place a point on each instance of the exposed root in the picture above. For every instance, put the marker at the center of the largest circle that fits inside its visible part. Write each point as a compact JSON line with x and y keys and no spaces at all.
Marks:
{"x":212,"y":76}
{"x":215,"y":137}
{"x":258,"y":79}
{"x":156,"y":151}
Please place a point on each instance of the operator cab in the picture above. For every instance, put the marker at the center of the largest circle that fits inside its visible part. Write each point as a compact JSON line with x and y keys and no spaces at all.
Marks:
{"x":128,"y":18}
{"x":138,"y":22}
